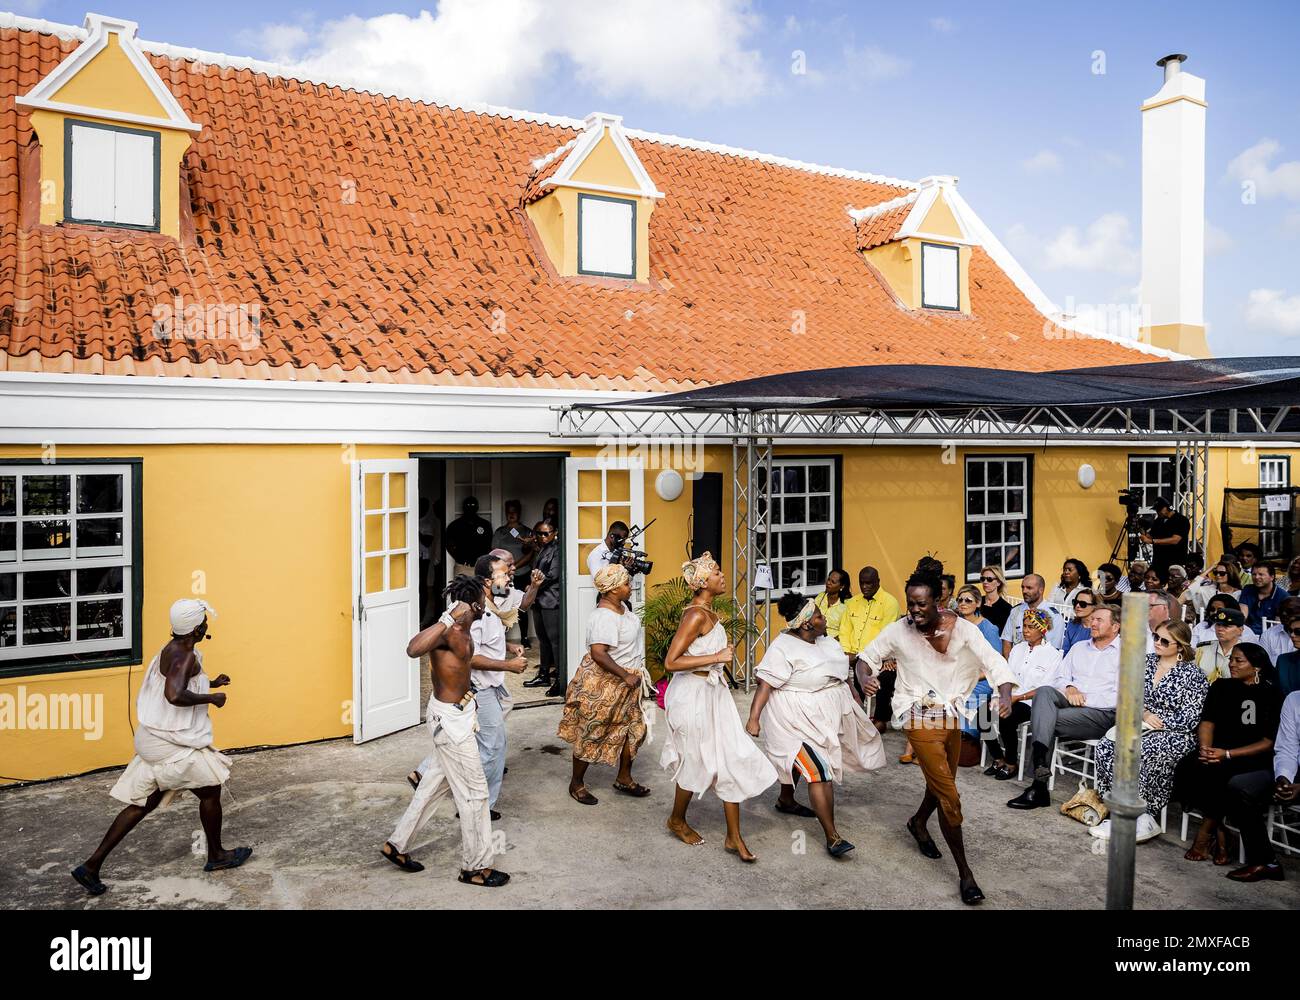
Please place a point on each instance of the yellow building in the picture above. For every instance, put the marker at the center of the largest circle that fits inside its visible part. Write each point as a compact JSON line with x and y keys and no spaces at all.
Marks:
{"x":252,"y":328}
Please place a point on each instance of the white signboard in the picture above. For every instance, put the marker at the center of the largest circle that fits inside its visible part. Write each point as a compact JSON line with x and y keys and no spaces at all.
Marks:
{"x":1277,"y":502}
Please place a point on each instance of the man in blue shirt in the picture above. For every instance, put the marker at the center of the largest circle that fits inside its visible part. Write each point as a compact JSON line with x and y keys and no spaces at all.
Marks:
{"x":1252,"y":794}
{"x":1260,"y":600}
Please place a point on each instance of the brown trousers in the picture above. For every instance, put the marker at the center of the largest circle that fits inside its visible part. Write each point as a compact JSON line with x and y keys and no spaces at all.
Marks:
{"x":938,"y":749}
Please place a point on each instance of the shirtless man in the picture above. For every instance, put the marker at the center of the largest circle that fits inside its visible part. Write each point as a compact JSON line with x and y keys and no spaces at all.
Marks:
{"x":455,"y":767}
{"x":938,"y":657}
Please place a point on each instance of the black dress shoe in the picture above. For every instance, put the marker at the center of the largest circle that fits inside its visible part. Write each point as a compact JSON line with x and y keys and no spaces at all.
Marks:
{"x":971,"y":894}
{"x":1036,"y":796}
{"x":541,"y":680}
{"x":556,"y":690}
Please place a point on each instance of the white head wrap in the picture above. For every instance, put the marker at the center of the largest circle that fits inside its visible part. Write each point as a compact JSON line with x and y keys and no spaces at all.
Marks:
{"x":609,"y":577}
{"x":187,"y":615}
{"x":805,"y":614}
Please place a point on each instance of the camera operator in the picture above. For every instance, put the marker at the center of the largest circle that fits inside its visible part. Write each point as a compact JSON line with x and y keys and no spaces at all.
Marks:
{"x":604,"y":553}
{"x":1167,"y":537}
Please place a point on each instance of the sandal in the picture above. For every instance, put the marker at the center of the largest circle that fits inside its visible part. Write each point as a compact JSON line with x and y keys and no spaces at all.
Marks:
{"x":634,"y":790}
{"x":585,"y":797}
{"x":839,"y":848}
{"x":794,"y":810}
{"x":89,"y":882}
{"x":907,"y":758}
{"x":237,"y":857}
{"x":489,"y":878}
{"x":403,"y":861}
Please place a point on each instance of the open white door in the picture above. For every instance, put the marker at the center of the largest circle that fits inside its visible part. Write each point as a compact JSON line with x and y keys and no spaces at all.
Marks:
{"x":597,"y":491}
{"x":385,"y":597}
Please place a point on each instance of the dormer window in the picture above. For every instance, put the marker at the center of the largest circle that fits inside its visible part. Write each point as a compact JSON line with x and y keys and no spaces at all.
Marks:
{"x":606,"y":236}
{"x":112,"y":175}
{"x":940,"y":282}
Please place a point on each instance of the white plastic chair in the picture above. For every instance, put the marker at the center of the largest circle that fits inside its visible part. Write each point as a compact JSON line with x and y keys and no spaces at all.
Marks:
{"x":1284,"y":827}
{"x":1022,"y":735}
{"x":1073,"y":757}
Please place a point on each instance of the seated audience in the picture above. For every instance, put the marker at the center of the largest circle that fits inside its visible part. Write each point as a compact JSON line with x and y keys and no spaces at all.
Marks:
{"x":1033,"y":588}
{"x":968,"y":607}
{"x":1224,"y":575}
{"x":1137,"y":574}
{"x":1162,"y":607}
{"x":1173,"y":692}
{"x":995,"y":607}
{"x":1203,"y":632}
{"x":1229,"y":630}
{"x":1108,"y":579}
{"x":1235,"y":737}
{"x":1248,"y":554}
{"x":1074,"y":577}
{"x":1292,"y":582}
{"x":1276,"y":639}
{"x":1262,"y":598}
{"x":1083,"y":602}
{"x":1035,"y":662}
{"x":1288,"y":664}
{"x":1080,"y":705}
{"x":1250,"y":795}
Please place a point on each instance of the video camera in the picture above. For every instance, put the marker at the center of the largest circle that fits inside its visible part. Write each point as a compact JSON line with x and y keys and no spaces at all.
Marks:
{"x":629,"y":556}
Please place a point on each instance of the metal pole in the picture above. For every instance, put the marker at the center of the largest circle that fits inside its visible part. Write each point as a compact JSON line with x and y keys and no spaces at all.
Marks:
{"x":1126,"y":805}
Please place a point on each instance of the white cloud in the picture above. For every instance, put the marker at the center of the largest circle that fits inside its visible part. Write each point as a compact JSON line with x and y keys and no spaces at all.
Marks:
{"x":873,"y":63}
{"x":1105,"y":245}
{"x":1043,"y":162}
{"x":690,"y":52}
{"x":943,"y":25}
{"x":1217,"y":239}
{"x":1274,"y":311}
{"x":1253,"y":165}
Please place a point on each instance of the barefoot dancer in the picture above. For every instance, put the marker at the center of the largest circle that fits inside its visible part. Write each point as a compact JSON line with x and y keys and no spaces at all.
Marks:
{"x":812,"y":727}
{"x":455,"y":768}
{"x":602,"y":707}
{"x":173,"y":746}
{"x":938,"y":657}
{"x":706,"y":746}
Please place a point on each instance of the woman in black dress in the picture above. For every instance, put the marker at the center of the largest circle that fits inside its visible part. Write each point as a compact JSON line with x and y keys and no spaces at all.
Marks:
{"x":995,"y":606}
{"x":1238,"y":725}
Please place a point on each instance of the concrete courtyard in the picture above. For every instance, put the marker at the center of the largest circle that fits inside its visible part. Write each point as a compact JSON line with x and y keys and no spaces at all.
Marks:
{"x":316,"y":816}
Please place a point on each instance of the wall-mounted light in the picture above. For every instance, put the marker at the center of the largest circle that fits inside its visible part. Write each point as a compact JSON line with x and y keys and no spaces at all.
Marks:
{"x":668,"y":484}
{"x":1087,"y":476}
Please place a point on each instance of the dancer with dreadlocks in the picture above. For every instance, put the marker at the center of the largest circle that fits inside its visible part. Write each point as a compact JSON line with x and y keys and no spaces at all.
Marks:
{"x":938,"y":657}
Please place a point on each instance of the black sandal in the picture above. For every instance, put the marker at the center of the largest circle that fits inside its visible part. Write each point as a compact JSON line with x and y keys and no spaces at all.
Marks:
{"x":586,"y":798}
{"x":635,"y":790}
{"x":794,"y":810}
{"x":403,"y":861}
{"x":89,"y":882}
{"x":840,"y":848}
{"x":237,"y":857}
{"x":488,"y":878}
{"x":926,"y":846}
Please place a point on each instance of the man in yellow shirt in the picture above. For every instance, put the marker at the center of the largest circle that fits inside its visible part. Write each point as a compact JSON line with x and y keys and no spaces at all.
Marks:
{"x":864,"y":616}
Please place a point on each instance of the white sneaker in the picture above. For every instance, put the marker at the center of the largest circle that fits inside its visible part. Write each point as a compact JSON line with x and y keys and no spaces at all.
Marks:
{"x":1101,"y":831}
{"x":1147,"y":828}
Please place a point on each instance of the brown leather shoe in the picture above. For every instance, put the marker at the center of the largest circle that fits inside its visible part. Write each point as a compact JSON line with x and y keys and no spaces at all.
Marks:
{"x":1258,"y":873}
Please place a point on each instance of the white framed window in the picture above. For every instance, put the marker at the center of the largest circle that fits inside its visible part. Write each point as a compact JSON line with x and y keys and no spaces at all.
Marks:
{"x":606,"y":236}
{"x":111,"y":175}
{"x":1151,"y":476}
{"x":998,"y":503}
{"x":805,"y":519}
{"x":1274,"y":474}
{"x":67,"y":560}
{"x":940,"y":285}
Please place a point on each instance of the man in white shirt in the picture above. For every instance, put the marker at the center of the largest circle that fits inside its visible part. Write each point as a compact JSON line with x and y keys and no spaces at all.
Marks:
{"x":1276,"y":640}
{"x":938,"y":658}
{"x":493,"y":658}
{"x":1079,"y":706}
{"x":1031,"y":588}
{"x":599,"y":557}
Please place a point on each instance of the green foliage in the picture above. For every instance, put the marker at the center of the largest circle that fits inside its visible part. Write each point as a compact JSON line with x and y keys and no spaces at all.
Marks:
{"x":662,"y":613}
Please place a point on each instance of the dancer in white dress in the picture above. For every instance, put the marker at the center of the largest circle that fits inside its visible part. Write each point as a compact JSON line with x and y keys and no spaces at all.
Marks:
{"x":811,"y":724}
{"x":706,"y":747}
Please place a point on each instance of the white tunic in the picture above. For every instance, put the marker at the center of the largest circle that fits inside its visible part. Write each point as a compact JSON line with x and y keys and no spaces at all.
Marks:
{"x":811,"y":703}
{"x":707,"y":746}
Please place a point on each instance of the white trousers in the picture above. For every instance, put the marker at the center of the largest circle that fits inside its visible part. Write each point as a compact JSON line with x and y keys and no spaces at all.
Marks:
{"x":456,"y":770}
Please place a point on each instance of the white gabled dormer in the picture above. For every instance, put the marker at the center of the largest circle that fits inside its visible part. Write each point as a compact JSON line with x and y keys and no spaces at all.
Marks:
{"x":591,"y":201}
{"x":111,"y":135}
{"x":920,"y":245}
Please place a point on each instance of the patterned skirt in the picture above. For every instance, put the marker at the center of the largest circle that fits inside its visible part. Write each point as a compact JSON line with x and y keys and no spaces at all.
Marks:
{"x":601,"y":715}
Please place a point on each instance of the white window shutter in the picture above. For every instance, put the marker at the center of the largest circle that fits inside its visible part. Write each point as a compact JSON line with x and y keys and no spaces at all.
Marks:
{"x":93,"y":168}
{"x":134,"y":177}
{"x":939,"y":283}
{"x":608,"y":239}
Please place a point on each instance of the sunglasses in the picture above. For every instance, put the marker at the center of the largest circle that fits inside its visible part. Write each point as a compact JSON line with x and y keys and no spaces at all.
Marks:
{"x":1294,"y":631}
{"x":1160,"y":640}
{"x":1084,"y":604}
{"x":966,"y":600}
{"x":1220,"y":572}
{"x":988,"y":579}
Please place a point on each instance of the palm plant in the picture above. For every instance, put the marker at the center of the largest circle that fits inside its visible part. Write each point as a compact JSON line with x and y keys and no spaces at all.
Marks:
{"x":662,"y":613}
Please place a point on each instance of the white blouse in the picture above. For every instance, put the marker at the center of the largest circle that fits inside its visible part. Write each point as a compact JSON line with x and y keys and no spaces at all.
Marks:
{"x":1034,"y":666}
{"x":796,"y":665}
{"x":621,"y":633}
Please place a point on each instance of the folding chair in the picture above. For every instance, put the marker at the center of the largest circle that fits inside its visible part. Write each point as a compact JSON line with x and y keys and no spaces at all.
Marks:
{"x":1073,"y":757}
{"x":1284,"y":827}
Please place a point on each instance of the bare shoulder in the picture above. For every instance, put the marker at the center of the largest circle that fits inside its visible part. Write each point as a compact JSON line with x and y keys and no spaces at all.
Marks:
{"x":178,"y":661}
{"x":697,"y":620}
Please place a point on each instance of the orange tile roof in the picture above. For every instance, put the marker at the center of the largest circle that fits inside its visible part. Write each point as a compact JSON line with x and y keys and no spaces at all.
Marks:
{"x":753,"y":263}
{"x":881,"y":227}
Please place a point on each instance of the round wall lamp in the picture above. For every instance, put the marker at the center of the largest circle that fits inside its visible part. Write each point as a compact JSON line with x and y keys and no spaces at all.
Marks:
{"x":1087,"y":476}
{"x":668,"y":484}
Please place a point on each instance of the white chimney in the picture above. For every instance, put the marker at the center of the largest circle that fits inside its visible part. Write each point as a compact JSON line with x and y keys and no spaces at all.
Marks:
{"x":1173,"y":212}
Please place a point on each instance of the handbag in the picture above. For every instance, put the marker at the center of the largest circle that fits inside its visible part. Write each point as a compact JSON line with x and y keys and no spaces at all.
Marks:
{"x":1086,"y":806}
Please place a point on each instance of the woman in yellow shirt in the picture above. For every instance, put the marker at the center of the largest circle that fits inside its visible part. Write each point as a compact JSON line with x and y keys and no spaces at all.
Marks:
{"x":831,"y":601}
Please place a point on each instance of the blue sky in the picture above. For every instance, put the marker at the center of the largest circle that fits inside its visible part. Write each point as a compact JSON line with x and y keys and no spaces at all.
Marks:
{"x":1004,"y":95}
